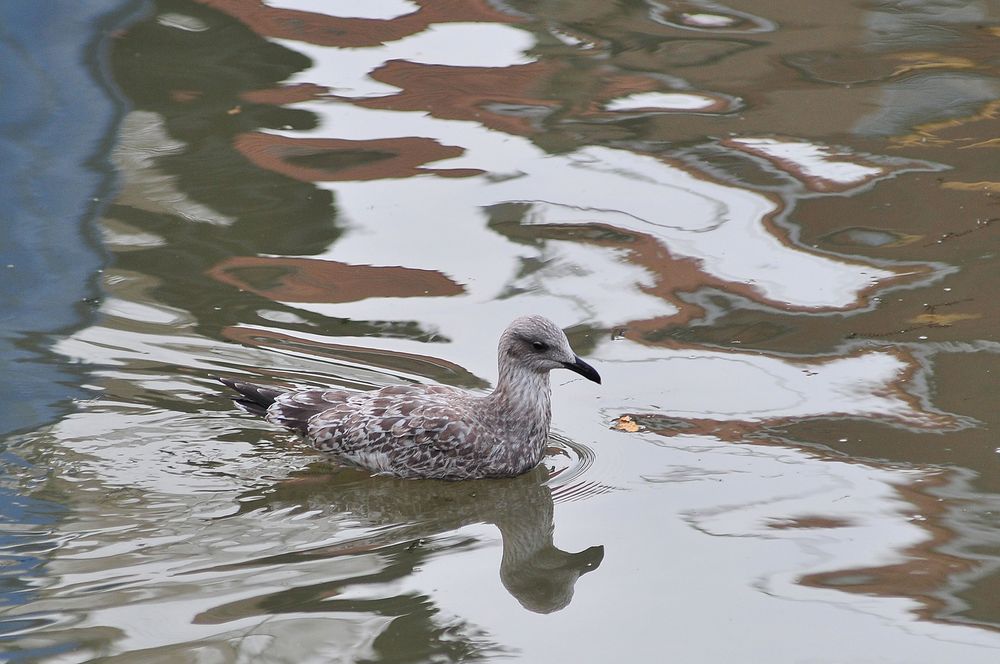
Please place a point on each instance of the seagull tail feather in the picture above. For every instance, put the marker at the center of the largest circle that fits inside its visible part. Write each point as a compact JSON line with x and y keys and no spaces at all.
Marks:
{"x":255,"y":399}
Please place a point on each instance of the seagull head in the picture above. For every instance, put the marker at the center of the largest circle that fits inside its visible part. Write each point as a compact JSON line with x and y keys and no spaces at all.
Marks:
{"x":537,"y":344}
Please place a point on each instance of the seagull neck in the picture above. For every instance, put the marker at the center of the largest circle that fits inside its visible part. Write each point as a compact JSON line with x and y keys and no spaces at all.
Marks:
{"x":522,"y":392}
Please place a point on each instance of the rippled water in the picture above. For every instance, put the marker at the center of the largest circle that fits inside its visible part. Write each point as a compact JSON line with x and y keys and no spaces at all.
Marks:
{"x":770,"y":226}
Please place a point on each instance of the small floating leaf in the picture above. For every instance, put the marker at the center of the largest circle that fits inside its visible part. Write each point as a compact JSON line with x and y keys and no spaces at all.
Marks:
{"x":625,"y":423}
{"x":942,"y":320}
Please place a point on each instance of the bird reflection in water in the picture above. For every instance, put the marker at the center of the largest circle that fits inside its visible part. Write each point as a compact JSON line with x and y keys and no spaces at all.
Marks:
{"x":404,"y":520}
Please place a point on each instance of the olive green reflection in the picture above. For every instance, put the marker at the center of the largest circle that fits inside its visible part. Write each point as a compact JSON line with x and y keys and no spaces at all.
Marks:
{"x":539,"y":575}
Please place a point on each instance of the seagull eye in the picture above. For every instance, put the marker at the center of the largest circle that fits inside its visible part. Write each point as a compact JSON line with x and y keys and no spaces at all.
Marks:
{"x":539,"y":346}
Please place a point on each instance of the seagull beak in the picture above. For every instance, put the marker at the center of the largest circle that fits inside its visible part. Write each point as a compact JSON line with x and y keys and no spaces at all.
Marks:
{"x":584,"y":369}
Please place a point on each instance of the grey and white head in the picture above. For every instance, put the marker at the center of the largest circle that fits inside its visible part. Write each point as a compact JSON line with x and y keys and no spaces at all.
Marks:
{"x":536,"y":344}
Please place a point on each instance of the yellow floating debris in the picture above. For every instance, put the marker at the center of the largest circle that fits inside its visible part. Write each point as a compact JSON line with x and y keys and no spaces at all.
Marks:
{"x":942,"y":319}
{"x":625,"y":423}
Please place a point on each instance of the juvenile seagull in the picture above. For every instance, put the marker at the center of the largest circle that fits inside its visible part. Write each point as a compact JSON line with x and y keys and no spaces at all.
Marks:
{"x":433,"y":431}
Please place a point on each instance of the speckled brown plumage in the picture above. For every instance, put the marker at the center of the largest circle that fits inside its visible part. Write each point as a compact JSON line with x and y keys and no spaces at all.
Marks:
{"x":436,"y":431}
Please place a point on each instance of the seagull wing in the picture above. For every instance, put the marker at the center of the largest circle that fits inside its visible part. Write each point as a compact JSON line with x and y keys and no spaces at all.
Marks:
{"x":295,"y":409}
{"x":417,"y":434}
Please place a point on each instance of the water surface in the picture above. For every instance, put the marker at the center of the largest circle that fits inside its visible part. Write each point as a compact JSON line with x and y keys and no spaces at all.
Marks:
{"x":770,"y":227}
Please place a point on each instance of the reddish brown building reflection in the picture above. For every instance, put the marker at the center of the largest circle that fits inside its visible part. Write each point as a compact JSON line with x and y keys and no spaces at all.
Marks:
{"x":311,"y":280}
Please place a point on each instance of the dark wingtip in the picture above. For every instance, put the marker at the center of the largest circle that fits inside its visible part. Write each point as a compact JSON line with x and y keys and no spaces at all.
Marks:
{"x":253,"y":398}
{"x":584,"y":369}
